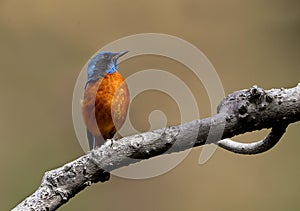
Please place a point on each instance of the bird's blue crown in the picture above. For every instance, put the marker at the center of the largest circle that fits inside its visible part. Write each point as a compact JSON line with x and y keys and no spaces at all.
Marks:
{"x":103,"y":63}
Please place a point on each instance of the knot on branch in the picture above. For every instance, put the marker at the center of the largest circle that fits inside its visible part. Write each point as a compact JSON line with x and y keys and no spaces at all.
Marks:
{"x":245,"y":105}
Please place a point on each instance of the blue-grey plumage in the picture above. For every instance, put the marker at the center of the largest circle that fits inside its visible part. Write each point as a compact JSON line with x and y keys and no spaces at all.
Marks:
{"x":103,"y":63}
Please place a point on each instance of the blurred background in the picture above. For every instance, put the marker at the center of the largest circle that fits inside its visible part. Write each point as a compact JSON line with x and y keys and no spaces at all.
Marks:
{"x":44,"y":45}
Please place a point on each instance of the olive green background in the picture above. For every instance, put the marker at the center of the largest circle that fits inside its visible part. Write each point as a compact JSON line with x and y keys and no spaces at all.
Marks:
{"x":44,"y":45}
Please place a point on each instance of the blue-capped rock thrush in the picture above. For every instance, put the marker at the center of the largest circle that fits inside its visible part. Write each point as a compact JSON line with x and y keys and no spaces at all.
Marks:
{"x":106,"y":98}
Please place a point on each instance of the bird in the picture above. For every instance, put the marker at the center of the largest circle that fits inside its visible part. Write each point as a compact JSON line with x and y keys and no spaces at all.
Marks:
{"x":106,"y":98}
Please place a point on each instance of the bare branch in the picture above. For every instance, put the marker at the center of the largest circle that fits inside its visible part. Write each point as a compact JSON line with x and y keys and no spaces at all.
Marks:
{"x":242,"y":111}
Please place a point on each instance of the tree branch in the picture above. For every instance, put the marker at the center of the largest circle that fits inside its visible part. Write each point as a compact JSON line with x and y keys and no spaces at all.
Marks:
{"x":242,"y":111}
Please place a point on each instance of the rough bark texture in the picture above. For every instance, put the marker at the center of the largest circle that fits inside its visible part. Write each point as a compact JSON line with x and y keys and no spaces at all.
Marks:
{"x":242,"y":111}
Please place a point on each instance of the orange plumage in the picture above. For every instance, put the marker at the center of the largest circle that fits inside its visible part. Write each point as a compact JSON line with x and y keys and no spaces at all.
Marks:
{"x":105,"y":105}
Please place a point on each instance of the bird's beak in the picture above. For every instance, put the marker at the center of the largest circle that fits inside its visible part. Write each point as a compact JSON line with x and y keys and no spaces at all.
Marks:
{"x":121,"y":53}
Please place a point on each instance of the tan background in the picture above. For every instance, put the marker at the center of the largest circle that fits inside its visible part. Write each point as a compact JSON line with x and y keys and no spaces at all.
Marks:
{"x":44,"y":45}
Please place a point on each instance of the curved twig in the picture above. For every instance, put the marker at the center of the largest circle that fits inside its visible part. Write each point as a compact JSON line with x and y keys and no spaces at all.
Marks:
{"x":257,"y":147}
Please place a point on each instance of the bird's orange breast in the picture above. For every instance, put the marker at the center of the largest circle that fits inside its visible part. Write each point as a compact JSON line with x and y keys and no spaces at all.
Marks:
{"x":105,"y":105}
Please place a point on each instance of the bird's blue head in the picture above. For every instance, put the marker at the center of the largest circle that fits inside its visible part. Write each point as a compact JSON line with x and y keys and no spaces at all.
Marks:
{"x":103,"y":63}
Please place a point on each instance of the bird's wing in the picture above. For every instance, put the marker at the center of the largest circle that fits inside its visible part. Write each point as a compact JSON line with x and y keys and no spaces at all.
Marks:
{"x":91,"y":139}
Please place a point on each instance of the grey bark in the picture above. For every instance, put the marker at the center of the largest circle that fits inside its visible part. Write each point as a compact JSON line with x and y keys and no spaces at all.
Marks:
{"x":242,"y":111}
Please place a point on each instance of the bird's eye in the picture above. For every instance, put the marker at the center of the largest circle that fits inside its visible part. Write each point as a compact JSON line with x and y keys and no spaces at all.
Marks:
{"x":106,"y":56}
